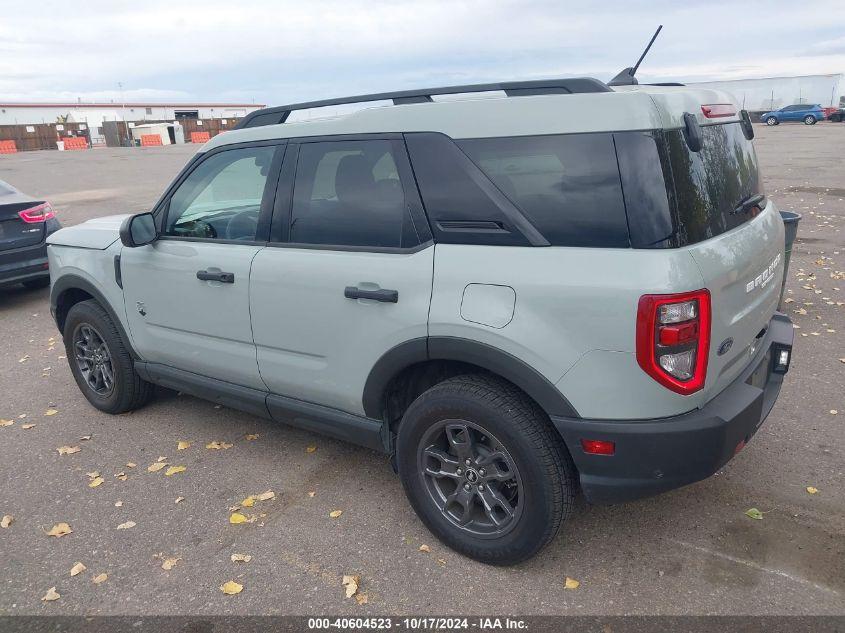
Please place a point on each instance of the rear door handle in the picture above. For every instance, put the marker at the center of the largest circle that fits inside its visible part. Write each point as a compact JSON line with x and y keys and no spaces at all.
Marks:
{"x":386,"y":296}
{"x":216,"y":275}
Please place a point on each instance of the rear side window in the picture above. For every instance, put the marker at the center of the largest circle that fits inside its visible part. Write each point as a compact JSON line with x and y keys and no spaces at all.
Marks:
{"x":349,"y":193}
{"x":567,"y":185}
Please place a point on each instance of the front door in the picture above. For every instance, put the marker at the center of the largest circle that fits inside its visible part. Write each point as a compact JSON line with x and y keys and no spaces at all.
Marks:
{"x":187,"y":293}
{"x":349,"y":274}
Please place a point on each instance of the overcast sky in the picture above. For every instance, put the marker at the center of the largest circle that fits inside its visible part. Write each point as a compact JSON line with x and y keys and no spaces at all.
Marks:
{"x":280,"y":52}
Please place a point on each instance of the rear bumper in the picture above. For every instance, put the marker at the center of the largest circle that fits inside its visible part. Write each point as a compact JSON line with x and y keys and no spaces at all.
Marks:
{"x":654,"y":456}
{"x":23,"y":264}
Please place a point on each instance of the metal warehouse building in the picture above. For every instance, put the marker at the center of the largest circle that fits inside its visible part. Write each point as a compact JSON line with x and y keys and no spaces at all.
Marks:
{"x":94,"y":114}
{"x":772,"y":93}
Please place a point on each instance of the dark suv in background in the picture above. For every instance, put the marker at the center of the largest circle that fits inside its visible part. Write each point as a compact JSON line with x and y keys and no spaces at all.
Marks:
{"x":25,"y":223}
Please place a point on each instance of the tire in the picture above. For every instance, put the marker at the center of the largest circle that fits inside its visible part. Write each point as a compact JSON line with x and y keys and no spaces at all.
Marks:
{"x":36,"y":284}
{"x":514,"y":438}
{"x":127,"y":391}
{"x":772,"y":121}
{"x":809,"y":120}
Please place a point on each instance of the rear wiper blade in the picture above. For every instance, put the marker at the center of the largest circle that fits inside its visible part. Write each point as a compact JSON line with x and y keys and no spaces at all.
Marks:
{"x":757,"y":201}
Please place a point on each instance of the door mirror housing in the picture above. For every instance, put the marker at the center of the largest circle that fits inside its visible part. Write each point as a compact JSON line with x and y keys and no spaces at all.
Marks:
{"x":138,"y":230}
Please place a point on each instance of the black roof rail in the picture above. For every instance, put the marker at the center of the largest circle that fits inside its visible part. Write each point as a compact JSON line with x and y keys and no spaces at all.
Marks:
{"x":279,"y":114}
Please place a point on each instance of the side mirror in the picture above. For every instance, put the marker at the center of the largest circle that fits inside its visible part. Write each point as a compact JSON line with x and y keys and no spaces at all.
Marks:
{"x":138,"y":230}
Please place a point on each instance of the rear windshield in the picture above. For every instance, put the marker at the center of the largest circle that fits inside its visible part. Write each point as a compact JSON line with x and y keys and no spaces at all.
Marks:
{"x":674,"y":196}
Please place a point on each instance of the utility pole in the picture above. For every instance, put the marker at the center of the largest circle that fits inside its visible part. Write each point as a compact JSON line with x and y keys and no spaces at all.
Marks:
{"x":123,"y":111}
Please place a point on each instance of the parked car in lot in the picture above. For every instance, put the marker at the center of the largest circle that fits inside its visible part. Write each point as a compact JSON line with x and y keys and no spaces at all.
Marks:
{"x":516,"y":298}
{"x":809,"y":114}
{"x":25,"y":223}
{"x":837,"y":116}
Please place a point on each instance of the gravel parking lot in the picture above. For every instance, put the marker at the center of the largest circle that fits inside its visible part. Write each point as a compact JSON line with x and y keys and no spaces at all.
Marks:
{"x":691,"y":551}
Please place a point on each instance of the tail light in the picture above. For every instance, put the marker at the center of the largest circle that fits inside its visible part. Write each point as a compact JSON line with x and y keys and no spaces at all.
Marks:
{"x":673,"y":339}
{"x":38,"y":213}
{"x":718,"y":110}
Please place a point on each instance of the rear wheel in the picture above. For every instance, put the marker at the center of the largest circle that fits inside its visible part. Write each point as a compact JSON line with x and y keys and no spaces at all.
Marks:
{"x":809,"y":120}
{"x":484,"y":469}
{"x":771,"y":121}
{"x":36,"y":284}
{"x":100,"y":361}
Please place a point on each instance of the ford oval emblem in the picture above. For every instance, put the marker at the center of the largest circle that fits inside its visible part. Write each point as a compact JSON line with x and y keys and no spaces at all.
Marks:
{"x":725,"y":346}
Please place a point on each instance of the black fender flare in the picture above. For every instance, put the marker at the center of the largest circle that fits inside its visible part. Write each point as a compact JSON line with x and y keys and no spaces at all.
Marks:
{"x":74,"y":282}
{"x":494,"y":360}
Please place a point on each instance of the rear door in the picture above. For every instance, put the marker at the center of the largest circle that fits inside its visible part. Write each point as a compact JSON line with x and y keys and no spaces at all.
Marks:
{"x":15,"y":231}
{"x":348,"y":272}
{"x":187,"y":293}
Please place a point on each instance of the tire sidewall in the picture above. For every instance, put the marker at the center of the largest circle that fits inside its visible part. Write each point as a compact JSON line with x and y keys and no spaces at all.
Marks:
{"x":83,"y":313}
{"x":537,"y":510}
{"x":809,"y":120}
{"x":771,"y":121}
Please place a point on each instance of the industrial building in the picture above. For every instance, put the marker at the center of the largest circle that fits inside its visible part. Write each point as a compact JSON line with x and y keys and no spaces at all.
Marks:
{"x":772,"y":93}
{"x":94,"y":114}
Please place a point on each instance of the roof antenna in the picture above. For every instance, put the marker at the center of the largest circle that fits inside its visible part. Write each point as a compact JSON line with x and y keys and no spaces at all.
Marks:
{"x":626,"y":77}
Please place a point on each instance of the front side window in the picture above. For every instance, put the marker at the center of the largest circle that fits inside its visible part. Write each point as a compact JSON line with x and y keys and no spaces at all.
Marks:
{"x":221,"y":198}
{"x":348,"y":193}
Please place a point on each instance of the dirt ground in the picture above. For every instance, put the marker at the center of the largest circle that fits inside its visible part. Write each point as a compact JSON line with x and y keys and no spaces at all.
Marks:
{"x":690,"y":551}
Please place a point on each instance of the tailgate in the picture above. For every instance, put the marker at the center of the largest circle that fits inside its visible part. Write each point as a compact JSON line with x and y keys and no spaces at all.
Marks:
{"x":14,"y":232}
{"x":743,"y":269}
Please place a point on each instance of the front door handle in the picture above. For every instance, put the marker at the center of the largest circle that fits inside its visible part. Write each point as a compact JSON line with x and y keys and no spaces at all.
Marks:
{"x":216,"y":275}
{"x":386,"y":296}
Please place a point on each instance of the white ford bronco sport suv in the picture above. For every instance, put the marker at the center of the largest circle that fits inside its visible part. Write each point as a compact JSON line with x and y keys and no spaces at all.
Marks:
{"x":567,"y":286}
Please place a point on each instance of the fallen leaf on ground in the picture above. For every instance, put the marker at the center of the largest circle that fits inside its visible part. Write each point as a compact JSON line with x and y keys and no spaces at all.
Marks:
{"x":181,"y":446}
{"x":6,"y":521}
{"x":77,"y":569}
{"x":122,"y":476}
{"x":169,"y":563}
{"x":118,"y":504}
{"x":231,"y":588}
{"x":51,"y":412}
{"x":127,"y":525}
{"x":131,"y":464}
{"x":248,"y":502}
{"x":100,"y":578}
{"x":173,"y":470}
{"x":266,"y":496}
{"x":251,"y":436}
{"x":441,"y":562}
{"x":350,"y":583}
{"x":361,"y":598}
{"x":24,"y":359}
{"x":241,"y":558}
{"x":335,"y":513}
{"x":812,"y":490}
{"x":833,"y":412}
{"x":311,"y":449}
{"x":6,"y":422}
{"x":27,"y":426}
{"x":85,"y":438}
{"x":68,"y":450}
{"x":311,"y":493}
{"x":571,"y":583}
{"x":179,"y":499}
{"x":236,"y":518}
{"x":425,"y":548}
{"x":754,"y":513}
{"x":60,"y":529}
{"x":161,"y":459}
{"x":218,"y":446}
{"x":154,"y":468}
{"x":51,"y":595}
{"x":95,"y":482}
{"x":93,"y":474}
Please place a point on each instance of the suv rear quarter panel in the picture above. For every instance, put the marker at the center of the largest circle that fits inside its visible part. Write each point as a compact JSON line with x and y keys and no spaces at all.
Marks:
{"x":574,"y":317}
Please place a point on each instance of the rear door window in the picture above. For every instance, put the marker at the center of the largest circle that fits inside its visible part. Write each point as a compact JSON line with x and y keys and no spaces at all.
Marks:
{"x":568,"y":186}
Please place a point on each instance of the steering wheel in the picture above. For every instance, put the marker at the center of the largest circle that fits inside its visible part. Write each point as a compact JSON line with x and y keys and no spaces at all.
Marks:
{"x":242,"y":226}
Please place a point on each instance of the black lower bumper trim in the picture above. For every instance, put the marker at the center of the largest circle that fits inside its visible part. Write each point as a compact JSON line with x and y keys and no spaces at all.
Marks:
{"x":654,"y":456}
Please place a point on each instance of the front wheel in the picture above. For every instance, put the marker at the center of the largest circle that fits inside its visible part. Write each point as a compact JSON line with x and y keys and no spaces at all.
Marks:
{"x":809,"y":120}
{"x":484,"y":469}
{"x":100,"y":361}
{"x":771,"y":121}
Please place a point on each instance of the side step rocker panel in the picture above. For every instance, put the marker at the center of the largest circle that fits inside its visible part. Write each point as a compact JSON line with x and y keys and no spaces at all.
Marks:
{"x":359,"y":430}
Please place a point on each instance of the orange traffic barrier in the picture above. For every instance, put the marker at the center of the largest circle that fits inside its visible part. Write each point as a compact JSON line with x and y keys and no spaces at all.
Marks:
{"x":75,"y":142}
{"x":200,"y":137}
{"x":8,"y":147}
{"x":149,"y":140}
